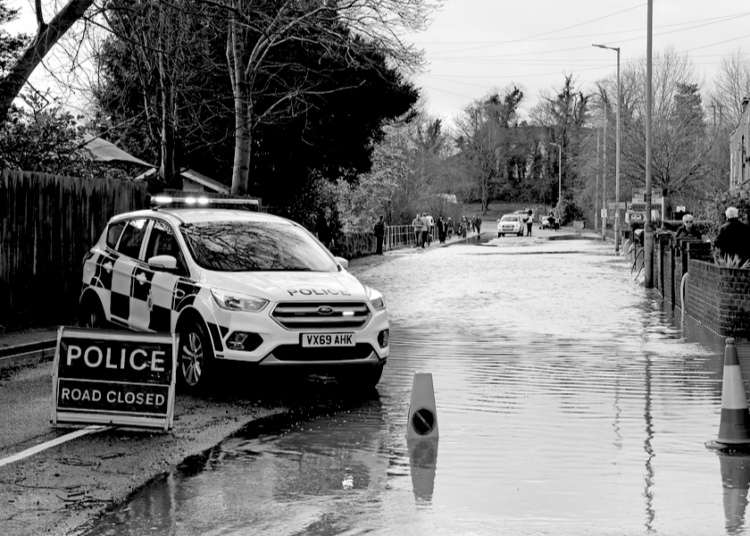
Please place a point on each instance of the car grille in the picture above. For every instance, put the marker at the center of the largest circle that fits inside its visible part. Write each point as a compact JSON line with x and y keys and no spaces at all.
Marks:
{"x":321,"y":315}
{"x":295,"y":352}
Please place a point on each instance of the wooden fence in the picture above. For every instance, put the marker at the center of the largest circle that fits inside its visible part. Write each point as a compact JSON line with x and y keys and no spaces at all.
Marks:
{"x":47,"y":224}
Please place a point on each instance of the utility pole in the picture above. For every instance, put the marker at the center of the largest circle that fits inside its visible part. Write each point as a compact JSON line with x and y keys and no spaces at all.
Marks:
{"x":604,"y":176}
{"x":648,"y":233}
{"x":597,"y":214}
{"x":617,"y":157}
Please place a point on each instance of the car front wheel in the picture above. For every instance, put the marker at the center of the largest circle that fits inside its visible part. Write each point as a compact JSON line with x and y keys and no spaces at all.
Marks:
{"x":195,"y":358}
{"x":92,"y":314}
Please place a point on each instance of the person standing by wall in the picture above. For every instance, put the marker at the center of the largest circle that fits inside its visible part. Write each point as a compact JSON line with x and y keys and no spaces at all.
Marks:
{"x":379,"y":234}
{"x":688,"y":229}
{"x":734,"y":237}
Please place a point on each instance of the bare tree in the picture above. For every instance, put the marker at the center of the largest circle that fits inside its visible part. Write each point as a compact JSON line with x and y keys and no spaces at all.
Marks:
{"x":731,"y":86}
{"x":47,"y":34}
{"x":342,"y":28}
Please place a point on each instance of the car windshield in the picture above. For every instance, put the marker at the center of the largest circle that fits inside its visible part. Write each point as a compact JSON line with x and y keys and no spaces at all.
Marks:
{"x":507,"y":217}
{"x":253,"y":246}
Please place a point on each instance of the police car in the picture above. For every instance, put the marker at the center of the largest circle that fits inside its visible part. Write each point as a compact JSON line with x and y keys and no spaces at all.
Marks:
{"x":236,"y":285}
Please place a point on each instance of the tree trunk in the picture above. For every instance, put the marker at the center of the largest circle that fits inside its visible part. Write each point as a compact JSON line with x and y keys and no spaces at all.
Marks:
{"x":242,"y":145}
{"x":46,"y":37}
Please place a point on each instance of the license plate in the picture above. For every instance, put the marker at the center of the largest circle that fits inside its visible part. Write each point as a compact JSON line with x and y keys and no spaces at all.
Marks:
{"x":324,"y":340}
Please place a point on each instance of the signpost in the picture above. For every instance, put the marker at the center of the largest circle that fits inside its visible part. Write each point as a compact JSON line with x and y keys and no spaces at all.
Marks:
{"x":114,"y":378}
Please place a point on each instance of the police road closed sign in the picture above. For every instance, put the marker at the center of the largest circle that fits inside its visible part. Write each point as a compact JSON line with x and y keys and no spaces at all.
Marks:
{"x":114,"y":377}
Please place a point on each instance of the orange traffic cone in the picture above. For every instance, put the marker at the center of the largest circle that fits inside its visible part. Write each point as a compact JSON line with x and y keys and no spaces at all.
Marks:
{"x":734,"y":429}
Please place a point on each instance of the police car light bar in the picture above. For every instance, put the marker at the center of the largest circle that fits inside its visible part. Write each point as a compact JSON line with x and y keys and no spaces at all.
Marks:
{"x":160,"y":201}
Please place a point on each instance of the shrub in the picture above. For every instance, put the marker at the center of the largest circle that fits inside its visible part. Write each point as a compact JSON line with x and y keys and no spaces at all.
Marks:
{"x":725,"y":261}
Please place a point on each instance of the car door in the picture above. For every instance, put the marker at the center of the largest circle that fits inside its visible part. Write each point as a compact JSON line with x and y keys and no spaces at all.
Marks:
{"x":129,"y":248}
{"x":163,"y":284}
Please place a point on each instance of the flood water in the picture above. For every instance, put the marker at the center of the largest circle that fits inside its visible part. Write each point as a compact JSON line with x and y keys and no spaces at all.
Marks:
{"x":568,"y":403}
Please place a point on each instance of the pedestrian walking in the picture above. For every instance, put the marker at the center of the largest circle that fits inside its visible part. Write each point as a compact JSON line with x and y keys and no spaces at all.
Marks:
{"x":379,"y":234}
{"x":734,"y":237}
{"x":425,"y":229}
{"x":322,"y":229}
{"x":449,"y":228}
{"x":441,"y":229}
{"x":529,"y":220}
{"x":416,"y":224}
{"x":552,"y":222}
{"x":478,"y":224}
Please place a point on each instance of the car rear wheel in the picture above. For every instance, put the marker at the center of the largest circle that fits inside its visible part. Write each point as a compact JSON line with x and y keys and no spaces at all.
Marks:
{"x":195,"y":358}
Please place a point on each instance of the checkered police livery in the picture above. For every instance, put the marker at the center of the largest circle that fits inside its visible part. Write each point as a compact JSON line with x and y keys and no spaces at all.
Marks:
{"x":235,"y":285}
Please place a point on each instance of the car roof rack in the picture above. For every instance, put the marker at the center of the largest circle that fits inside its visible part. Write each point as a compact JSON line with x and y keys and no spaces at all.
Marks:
{"x":200,"y":200}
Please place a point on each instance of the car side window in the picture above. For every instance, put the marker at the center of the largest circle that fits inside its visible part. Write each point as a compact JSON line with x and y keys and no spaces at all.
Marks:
{"x":132,"y":237}
{"x":113,"y":233}
{"x":162,"y":241}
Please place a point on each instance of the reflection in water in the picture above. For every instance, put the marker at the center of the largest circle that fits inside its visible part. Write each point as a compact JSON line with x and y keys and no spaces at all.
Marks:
{"x":423,"y":463}
{"x":649,"y":478}
{"x":558,"y":380}
{"x":735,"y":480}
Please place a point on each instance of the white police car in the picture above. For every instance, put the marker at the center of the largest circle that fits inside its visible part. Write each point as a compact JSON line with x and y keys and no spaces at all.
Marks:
{"x":235,"y":285}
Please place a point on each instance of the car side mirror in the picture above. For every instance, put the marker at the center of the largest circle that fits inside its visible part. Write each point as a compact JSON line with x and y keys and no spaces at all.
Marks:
{"x":163,"y":263}
{"x":343,"y":262}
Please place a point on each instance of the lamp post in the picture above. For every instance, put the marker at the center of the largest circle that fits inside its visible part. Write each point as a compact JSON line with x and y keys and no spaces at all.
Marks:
{"x":617,"y":157}
{"x":559,"y":174}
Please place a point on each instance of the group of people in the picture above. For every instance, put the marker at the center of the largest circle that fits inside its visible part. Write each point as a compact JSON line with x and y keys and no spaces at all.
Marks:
{"x":733,"y":238}
{"x":424,"y":227}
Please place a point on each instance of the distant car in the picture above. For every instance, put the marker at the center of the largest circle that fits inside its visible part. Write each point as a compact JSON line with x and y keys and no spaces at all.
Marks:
{"x":510,"y":224}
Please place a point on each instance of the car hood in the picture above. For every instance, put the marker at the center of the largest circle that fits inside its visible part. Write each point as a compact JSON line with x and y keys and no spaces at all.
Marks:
{"x":284,"y":286}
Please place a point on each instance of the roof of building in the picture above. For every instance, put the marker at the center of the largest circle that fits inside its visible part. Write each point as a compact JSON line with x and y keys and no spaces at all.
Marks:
{"x":104,"y":151}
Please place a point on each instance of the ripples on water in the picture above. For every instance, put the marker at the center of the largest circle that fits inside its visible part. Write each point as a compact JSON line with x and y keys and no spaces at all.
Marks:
{"x":567,"y":403}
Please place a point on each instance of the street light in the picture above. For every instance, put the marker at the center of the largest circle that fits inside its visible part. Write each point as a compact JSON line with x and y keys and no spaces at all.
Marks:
{"x":559,"y":174}
{"x":617,"y":158}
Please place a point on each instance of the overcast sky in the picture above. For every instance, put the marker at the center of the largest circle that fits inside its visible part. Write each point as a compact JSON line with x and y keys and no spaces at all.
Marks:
{"x":475,"y":45}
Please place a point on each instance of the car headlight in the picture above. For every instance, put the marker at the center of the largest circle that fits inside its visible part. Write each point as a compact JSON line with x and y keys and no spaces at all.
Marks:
{"x":376,"y":299}
{"x":238,"y":302}
{"x":378,"y":303}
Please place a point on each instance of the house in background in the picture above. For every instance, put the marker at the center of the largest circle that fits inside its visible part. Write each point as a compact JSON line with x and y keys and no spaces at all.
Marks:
{"x":192,"y":181}
{"x":103,"y":151}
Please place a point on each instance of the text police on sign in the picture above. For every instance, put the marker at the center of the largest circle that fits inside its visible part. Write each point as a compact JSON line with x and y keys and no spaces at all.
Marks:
{"x":112,"y":377}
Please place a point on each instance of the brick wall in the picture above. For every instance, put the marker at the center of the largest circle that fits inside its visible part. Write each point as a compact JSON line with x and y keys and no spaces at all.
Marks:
{"x":719,"y":298}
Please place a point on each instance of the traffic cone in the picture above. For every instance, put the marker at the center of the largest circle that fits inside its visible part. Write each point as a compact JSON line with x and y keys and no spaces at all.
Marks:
{"x":734,"y":429}
{"x":422,"y":436}
{"x":422,"y":423}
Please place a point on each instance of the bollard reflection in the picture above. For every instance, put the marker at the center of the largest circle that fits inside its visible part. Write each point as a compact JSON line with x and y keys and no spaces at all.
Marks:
{"x":735,"y":479}
{"x":423,"y":463}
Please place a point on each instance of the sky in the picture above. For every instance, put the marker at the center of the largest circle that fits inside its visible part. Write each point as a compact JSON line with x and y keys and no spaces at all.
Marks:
{"x":473,"y":46}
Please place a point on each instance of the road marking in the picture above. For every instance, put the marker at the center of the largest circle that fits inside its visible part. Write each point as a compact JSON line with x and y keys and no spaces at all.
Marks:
{"x":44,"y":446}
